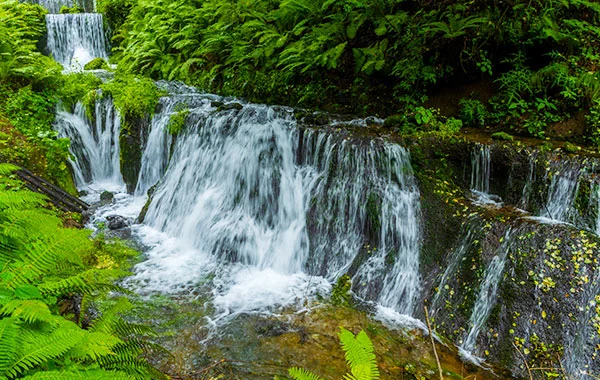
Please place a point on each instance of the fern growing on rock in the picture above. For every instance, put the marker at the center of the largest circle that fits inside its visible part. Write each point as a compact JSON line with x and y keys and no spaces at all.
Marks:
{"x":43,"y":266}
{"x":360,"y":356}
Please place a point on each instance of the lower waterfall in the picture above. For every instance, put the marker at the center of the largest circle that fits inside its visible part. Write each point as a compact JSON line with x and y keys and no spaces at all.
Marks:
{"x":268,"y":212}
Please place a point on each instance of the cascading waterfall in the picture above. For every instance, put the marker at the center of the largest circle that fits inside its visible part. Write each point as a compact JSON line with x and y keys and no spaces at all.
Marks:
{"x":94,"y":145}
{"x":481,"y":163}
{"x":376,"y":195}
{"x":486,"y":298}
{"x":248,"y":188}
{"x":157,"y":147}
{"x":76,"y":39}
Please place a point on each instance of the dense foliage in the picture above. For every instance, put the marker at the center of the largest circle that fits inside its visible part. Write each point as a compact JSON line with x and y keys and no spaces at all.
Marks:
{"x":540,"y":57}
{"x":30,"y":84}
{"x":49,"y":277}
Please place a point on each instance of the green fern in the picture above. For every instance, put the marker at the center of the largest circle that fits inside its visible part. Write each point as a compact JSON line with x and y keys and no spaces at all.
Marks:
{"x":302,"y":374}
{"x":360,"y":357}
{"x":42,"y":262}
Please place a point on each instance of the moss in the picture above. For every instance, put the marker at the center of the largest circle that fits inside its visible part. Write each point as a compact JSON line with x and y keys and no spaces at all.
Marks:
{"x":78,"y":87}
{"x":74,"y":9}
{"x":571,"y":148}
{"x":134,"y":97}
{"x":96,"y":64}
{"x":394,"y":121}
{"x":177,"y":121}
{"x":131,"y":149}
{"x":341,"y":294}
{"x":373,"y":212}
{"x":502,"y":136}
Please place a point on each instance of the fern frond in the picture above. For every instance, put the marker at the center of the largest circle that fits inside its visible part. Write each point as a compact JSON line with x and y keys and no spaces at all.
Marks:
{"x":302,"y":374}
{"x":360,"y":355}
{"x":43,"y":348}
{"x":83,"y":375}
{"x":28,"y":310}
{"x":9,"y":332}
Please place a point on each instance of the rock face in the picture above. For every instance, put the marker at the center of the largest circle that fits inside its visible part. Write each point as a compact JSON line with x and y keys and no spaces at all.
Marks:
{"x":520,"y":279}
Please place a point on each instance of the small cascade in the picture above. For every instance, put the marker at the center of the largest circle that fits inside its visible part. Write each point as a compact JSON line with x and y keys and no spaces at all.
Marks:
{"x":595,"y":204}
{"x":531,"y":178}
{"x":480,"y":168}
{"x":76,"y":39}
{"x":455,"y":259}
{"x":580,"y":351}
{"x":157,"y":148}
{"x":563,"y":188}
{"x":94,"y":145}
{"x":486,"y":299}
{"x":481,"y":163}
{"x":249,"y":188}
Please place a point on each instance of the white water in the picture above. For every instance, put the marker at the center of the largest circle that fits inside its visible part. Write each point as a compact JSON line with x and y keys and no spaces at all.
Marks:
{"x":76,"y":39}
{"x":233,"y":207}
{"x":94,"y":146}
{"x":53,"y":6}
{"x":561,"y":194}
{"x":486,"y":300}
{"x":480,"y":168}
{"x":157,"y":148}
{"x":481,"y":163}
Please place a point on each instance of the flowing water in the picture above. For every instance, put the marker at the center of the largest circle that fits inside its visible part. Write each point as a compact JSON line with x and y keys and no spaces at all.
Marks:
{"x":486,"y":299}
{"x":53,"y":6}
{"x":561,"y":194}
{"x":455,"y":259}
{"x":481,"y":165}
{"x":94,"y":145}
{"x":76,"y":39}
{"x":266,"y":212}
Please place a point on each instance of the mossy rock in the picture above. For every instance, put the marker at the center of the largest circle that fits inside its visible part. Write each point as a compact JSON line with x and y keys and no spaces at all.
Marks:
{"x":96,"y":64}
{"x":502,"y":136}
{"x":571,"y":148}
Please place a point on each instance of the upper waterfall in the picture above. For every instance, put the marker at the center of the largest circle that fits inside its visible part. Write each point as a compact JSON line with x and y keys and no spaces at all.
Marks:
{"x":76,"y":39}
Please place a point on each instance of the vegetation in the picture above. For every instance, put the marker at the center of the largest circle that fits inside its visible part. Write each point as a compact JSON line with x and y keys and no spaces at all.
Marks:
{"x":384,"y":56}
{"x":49,"y":277}
{"x":359,"y":354}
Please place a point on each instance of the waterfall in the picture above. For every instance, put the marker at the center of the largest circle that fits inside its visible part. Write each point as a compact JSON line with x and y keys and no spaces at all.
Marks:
{"x":76,"y":39}
{"x":486,"y":298}
{"x":365,"y":189}
{"x":251,"y":190}
{"x":94,"y":145}
{"x":157,"y":147}
{"x":480,"y":168}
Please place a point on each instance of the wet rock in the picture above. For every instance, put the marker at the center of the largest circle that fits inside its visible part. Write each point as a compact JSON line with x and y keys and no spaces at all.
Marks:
{"x":231,"y":106}
{"x":271,"y":328}
{"x":115,"y":222}
{"x":106,"y":197}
